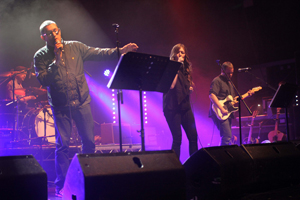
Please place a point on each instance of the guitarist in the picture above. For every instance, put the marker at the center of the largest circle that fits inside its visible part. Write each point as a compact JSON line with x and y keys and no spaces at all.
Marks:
{"x":220,"y":88}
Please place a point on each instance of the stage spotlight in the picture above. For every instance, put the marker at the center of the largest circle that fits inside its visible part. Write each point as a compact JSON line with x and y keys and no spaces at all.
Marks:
{"x":107,"y":73}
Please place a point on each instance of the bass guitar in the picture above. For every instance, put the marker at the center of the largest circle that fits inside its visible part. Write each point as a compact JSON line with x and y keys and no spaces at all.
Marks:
{"x":228,"y":103}
{"x":276,"y":135}
{"x":249,"y":139}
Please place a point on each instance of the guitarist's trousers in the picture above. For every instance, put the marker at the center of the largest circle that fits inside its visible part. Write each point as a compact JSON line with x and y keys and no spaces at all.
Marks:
{"x":224,"y":126}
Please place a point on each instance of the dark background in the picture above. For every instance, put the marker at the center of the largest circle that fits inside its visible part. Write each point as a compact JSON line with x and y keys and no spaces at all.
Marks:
{"x":245,"y":32}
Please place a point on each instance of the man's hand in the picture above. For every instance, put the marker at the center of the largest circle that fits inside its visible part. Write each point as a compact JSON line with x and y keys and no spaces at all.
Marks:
{"x":181,"y":59}
{"x":250,"y":92}
{"x":58,"y":52}
{"x":128,"y":47}
{"x":235,"y":100}
{"x":224,"y":112}
{"x":215,"y":101}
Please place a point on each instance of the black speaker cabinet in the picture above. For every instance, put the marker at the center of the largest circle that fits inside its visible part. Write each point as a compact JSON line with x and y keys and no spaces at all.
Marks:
{"x":276,"y":164}
{"x":218,"y":172}
{"x":22,"y":177}
{"x":134,"y":175}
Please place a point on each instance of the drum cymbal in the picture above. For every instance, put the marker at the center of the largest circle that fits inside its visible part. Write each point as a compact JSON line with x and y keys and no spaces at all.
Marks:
{"x":37,"y":91}
{"x":9,"y":74}
{"x":6,"y":74}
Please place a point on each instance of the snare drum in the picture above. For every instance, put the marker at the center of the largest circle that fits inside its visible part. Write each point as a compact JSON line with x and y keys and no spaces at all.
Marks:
{"x":33,"y":123}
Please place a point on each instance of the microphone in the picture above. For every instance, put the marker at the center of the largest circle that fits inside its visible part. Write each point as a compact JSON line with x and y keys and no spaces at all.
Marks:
{"x":57,"y":42}
{"x":115,"y":25}
{"x":244,"y":69}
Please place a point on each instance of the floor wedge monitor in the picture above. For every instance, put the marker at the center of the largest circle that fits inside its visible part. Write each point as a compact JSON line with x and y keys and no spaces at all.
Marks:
{"x":276,"y":164}
{"x":134,"y":175}
{"x":22,"y":177}
{"x":218,"y":172}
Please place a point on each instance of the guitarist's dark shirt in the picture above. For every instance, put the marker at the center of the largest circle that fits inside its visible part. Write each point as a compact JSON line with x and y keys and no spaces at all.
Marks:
{"x":220,"y":87}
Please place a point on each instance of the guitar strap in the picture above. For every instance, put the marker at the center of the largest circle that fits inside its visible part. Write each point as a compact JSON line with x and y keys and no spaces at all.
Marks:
{"x":230,"y":88}
{"x":227,"y":82}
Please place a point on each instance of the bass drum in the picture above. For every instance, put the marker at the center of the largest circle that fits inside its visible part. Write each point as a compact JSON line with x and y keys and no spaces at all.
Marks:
{"x":33,"y":124}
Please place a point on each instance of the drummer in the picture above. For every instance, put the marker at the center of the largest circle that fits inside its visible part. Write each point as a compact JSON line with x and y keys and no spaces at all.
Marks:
{"x":20,"y":92}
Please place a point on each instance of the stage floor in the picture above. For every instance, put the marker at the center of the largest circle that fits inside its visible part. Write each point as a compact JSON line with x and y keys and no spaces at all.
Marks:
{"x":291,"y":193}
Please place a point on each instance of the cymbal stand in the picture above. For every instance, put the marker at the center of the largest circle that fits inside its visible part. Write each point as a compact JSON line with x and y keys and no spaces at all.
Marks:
{"x":15,"y":110}
{"x":45,"y":111}
{"x":45,"y":125}
{"x":17,"y":120}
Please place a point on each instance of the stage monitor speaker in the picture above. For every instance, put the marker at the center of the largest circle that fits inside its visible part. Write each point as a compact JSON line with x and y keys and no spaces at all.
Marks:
{"x":276,"y":164}
{"x":135,"y":175}
{"x":22,"y":177}
{"x":218,"y":173}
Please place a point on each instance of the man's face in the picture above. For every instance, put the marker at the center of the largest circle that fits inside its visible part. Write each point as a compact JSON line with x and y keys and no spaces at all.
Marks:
{"x":22,"y":76}
{"x":51,"y":34}
{"x":229,"y":71}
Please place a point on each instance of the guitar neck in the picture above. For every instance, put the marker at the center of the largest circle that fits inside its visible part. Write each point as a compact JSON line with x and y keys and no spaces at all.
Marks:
{"x":253,"y":90}
{"x":245,"y":95}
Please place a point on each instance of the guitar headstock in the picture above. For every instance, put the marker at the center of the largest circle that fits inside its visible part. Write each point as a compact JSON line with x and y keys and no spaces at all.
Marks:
{"x":255,"y":89}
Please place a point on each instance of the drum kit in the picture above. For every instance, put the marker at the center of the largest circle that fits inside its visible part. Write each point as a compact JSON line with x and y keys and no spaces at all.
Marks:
{"x":27,"y":122}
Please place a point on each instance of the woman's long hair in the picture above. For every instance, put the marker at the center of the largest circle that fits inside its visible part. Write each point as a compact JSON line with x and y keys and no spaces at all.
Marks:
{"x":186,"y":63}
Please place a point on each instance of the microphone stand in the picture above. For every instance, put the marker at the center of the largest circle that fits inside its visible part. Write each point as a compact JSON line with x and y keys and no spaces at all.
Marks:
{"x":239,"y":101}
{"x":119,"y":91}
{"x":267,"y":84}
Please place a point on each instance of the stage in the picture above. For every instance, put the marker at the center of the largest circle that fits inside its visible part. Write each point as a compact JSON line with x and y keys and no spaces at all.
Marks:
{"x":45,"y":154}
